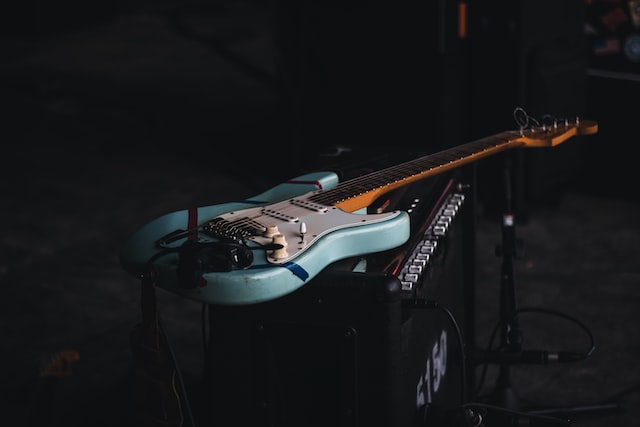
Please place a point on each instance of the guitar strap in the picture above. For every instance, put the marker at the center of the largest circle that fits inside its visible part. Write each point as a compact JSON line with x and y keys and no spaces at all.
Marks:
{"x":159,"y":395}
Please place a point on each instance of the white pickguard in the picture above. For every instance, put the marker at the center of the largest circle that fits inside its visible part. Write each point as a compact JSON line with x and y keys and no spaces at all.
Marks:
{"x":287,"y":218}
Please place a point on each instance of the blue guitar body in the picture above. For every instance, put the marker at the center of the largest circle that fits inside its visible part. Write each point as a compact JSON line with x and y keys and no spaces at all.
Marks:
{"x":332,"y":234}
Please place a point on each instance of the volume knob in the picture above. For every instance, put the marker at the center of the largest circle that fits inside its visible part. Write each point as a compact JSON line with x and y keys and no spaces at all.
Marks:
{"x":278,"y":239}
{"x":271,"y":231}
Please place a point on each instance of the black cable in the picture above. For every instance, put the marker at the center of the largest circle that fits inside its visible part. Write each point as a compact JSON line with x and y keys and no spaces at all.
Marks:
{"x":463,"y":358}
{"x":573,"y":356}
{"x":179,"y":385}
{"x":514,"y":416}
{"x":606,"y":404}
{"x":585,"y":328}
{"x":157,"y":255}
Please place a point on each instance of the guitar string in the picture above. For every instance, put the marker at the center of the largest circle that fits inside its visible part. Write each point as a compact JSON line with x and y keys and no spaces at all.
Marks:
{"x":367,"y":183}
{"x":384,"y":177}
{"x":363,"y":185}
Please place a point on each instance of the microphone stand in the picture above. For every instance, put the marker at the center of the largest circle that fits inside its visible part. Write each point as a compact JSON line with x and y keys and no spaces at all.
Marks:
{"x":510,"y":336}
{"x":510,"y":348}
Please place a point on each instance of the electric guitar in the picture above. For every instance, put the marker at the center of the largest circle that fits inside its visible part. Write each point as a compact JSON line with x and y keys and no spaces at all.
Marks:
{"x":265,"y":247}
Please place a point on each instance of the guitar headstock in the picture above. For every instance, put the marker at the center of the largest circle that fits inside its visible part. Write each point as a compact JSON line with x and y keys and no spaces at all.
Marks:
{"x":550,"y":135}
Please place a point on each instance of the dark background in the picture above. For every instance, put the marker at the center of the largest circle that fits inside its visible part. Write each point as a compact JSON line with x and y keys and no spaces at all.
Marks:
{"x":117,"y":113}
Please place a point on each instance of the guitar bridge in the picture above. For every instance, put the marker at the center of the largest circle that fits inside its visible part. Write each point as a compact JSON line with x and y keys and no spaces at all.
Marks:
{"x":236,"y":231}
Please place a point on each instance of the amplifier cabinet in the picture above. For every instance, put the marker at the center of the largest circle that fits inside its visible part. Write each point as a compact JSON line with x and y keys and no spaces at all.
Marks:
{"x":353,"y":347}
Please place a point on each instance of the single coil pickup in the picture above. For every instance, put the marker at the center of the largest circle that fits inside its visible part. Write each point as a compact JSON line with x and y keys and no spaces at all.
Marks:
{"x":279,"y":215}
{"x":309,"y":205}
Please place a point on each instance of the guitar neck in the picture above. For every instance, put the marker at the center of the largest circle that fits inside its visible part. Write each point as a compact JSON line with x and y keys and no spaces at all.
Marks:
{"x":360,"y":192}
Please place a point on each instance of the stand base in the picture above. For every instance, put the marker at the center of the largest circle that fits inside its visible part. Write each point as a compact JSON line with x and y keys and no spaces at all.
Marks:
{"x":582,"y":409}
{"x":505,"y":397}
